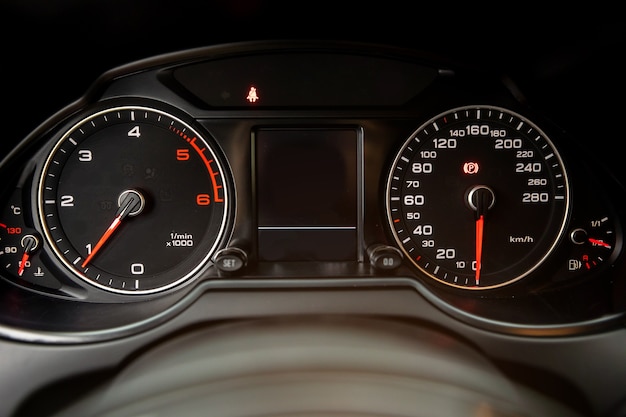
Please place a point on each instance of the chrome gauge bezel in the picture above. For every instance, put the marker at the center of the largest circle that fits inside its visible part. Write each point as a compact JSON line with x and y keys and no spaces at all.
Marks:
{"x":429,"y":263}
{"x":198,"y":144}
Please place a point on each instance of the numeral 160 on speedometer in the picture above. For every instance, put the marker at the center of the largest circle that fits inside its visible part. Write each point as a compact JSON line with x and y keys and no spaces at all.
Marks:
{"x":477,"y":197}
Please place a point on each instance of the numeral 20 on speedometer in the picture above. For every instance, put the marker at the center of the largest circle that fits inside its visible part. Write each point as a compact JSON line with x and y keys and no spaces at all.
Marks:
{"x":477,"y":197}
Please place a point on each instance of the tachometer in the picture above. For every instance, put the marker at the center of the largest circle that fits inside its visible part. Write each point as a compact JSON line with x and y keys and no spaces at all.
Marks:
{"x":133,"y":200}
{"x":477,"y":197}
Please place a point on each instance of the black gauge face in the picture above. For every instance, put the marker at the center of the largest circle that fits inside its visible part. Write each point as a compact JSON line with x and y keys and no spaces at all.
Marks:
{"x":477,"y":197}
{"x":133,"y":200}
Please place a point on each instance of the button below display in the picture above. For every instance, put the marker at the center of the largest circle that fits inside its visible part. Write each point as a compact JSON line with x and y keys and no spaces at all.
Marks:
{"x":230,"y":260}
{"x":384,"y":257}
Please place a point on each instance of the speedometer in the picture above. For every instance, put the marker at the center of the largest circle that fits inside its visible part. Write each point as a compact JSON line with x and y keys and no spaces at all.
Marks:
{"x":477,"y":197}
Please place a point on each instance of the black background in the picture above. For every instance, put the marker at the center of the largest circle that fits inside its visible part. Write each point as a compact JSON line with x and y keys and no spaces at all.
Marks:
{"x":566,"y":60}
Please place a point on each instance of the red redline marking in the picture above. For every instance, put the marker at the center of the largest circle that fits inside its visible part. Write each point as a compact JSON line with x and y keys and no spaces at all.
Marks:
{"x":396,"y":221}
{"x":3,"y":225}
{"x":207,"y":163}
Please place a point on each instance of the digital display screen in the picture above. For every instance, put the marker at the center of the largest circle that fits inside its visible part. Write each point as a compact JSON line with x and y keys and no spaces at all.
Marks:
{"x":307,"y":194}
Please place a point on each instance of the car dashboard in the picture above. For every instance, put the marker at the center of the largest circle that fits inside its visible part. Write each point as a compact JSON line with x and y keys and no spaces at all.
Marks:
{"x":311,"y":179}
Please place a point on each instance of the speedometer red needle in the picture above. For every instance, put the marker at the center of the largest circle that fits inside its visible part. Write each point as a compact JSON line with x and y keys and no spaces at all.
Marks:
{"x":480,"y":222}
{"x":480,"y":198}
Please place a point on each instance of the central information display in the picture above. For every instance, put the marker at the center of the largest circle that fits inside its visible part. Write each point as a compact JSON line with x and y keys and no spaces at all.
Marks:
{"x":307,"y":194}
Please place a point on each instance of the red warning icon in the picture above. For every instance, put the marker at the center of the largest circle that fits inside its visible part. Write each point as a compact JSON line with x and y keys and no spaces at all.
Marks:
{"x":252,"y":97}
{"x":471,"y":168}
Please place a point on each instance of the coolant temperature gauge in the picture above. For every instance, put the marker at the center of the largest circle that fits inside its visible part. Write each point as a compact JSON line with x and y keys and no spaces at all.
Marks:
{"x":17,"y":248}
{"x":593,"y":244}
{"x":17,"y":244}
{"x":21,"y":248}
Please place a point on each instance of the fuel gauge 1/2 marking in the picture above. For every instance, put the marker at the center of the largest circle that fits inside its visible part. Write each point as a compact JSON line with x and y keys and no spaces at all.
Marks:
{"x":594,"y":244}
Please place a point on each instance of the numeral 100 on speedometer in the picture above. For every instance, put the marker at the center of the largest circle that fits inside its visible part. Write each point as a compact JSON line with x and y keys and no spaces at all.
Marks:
{"x":477,"y":197}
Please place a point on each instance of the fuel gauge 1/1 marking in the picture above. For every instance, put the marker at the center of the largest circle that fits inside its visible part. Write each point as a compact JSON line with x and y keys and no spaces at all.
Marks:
{"x":594,"y":244}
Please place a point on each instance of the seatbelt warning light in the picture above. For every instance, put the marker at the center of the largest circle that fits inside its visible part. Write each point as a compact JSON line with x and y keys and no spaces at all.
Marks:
{"x":252,"y":97}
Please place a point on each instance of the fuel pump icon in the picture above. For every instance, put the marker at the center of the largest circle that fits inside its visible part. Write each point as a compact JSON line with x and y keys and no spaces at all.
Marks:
{"x":574,"y":265}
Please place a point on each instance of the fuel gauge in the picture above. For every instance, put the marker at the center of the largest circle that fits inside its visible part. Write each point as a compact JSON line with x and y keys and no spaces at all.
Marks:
{"x":593,"y":244}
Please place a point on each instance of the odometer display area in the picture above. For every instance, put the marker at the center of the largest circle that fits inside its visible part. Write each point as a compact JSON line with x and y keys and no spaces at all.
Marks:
{"x":477,"y":197}
{"x":133,"y":200}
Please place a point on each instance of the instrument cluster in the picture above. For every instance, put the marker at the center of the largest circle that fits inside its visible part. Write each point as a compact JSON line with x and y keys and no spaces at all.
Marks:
{"x":336,"y":166}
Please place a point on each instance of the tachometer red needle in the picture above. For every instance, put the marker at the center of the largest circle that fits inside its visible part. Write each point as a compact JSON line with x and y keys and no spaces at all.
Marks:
{"x":131,"y":203}
{"x":116,"y":222}
{"x":480,"y":222}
